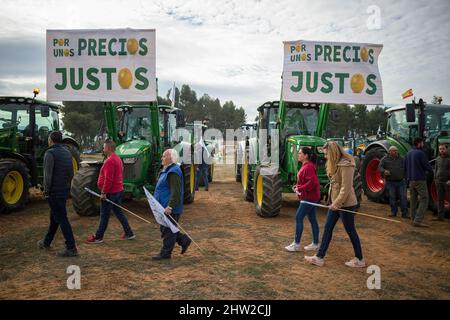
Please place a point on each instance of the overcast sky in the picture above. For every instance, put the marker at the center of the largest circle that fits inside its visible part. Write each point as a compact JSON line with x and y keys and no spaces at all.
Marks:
{"x":233,"y":49}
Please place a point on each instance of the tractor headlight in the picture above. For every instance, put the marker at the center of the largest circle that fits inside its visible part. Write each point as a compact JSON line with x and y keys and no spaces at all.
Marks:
{"x":129,"y":160}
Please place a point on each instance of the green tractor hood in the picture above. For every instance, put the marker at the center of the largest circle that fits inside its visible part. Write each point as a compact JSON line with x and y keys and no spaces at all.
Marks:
{"x":133,"y":148}
{"x":290,"y":160}
{"x":301,"y":140}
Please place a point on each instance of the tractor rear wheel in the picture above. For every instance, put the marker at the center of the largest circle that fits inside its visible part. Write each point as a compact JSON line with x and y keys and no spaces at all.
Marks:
{"x":188,"y":170}
{"x":14,"y":183}
{"x":267,"y":194}
{"x":83,"y":202}
{"x":373,"y":183}
{"x":357,"y":185}
{"x":237,"y":169}
{"x":433,"y":199}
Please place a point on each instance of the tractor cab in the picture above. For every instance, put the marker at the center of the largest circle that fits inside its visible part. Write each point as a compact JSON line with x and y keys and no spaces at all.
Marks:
{"x":25,"y":124}
{"x":300,"y":125}
{"x":405,"y":123}
{"x":428,"y":121}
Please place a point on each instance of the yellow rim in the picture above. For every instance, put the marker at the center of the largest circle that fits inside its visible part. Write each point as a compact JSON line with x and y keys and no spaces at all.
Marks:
{"x":244,"y":175}
{"x":12,"y":187}
{"x":192,"y":179}
{"x":74,"y":165}
{"x":259,"y":190}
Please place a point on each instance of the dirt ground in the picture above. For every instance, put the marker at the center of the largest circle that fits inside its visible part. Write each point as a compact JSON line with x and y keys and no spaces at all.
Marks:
{"x":244,"y":256}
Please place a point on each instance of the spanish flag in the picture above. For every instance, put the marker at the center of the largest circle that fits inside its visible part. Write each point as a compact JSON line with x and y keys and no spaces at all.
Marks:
{"x":407,"y":93}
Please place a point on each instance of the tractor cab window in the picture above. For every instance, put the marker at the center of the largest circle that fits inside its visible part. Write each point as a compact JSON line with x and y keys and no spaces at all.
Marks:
{"x":6,"y":117}
{"x":437,"y":120}
{"x":399,"y":128}
{"x":45,"y":125}
{"x":134,"y":123}
{"x":15,"y":114}
{"x":172,"y":125}
{"x":301,"y":120}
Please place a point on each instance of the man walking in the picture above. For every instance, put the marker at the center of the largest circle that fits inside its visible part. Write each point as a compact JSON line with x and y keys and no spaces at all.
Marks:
{"x":58,"y":174}
{"x":392,"y":167}
{"x":416,"y":164}
{"x":201,"y":160}
{"x":442,"y":179}
{"x":110,"y":182}
{"x":168,"y":193}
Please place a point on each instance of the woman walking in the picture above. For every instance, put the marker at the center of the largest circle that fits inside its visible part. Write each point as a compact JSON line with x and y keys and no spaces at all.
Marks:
{"x":308,"y":189}
{"x":340,"y":168}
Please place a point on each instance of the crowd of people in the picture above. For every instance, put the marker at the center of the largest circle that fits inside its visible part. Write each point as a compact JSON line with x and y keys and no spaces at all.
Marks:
{"x":342,"y":201}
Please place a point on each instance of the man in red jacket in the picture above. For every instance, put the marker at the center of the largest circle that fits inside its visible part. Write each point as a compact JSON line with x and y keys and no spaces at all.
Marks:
{"x":110,"y":183}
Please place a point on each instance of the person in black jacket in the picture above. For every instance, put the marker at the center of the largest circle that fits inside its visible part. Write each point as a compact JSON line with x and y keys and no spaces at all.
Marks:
{"x":392,"y":167}
{"x":58,"y":174}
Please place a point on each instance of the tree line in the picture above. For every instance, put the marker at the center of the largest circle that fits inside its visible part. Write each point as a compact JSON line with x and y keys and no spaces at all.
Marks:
{"x":357,"y":120}
{"x":85,"y":119}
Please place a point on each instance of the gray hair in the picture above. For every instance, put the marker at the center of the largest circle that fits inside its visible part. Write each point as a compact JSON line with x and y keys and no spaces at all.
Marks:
{"x":173,"y":155}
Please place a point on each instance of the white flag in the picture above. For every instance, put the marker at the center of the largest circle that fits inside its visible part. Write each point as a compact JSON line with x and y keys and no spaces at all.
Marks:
{"x":203,"y":146}
{"x":173,"y":95}
{"x":158,"y":212}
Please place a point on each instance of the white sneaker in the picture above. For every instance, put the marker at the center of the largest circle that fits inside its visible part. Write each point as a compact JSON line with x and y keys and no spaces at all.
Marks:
{"x":356,"y":263}
{"x":312,"y":247}
{"x":315,"y":260}
{"x":293,"y":247}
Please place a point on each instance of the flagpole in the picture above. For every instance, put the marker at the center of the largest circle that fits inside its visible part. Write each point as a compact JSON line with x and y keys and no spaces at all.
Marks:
{"x":178,"y":225}
{"x":109,"y":201}
{"x":355,"y":212}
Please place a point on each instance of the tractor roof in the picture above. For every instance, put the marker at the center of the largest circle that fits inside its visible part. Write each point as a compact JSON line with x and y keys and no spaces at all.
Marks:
{"x":168,"y":109}
{"x":397,"y":108}
{"x":27,"y":100}
{"x":269,"y":104}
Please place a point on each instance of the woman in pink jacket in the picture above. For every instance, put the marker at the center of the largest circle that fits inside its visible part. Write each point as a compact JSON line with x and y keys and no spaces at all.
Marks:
{"x":308,"y":189}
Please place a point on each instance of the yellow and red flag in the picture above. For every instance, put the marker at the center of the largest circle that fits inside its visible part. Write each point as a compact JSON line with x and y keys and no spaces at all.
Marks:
{"x":407,"y":93}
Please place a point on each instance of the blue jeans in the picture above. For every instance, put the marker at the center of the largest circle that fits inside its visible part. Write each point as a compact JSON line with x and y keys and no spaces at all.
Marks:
{"x":348,"y":219}
{"x":309,"y":210}
{"x":397,"y":191}
{"x":58,"y":218}
{"x":105,"y":211}
{"x":202,"y":169}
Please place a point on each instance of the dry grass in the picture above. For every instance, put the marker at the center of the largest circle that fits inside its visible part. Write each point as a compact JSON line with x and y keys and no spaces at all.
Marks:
{"x":244,"y":256}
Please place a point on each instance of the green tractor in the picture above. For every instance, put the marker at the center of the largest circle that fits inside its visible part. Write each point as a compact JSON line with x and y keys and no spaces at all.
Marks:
{"x":429,"y":121}
{"x":299,"y":125}
{"x":195,"y":129}
{"x":25,"y":124}
{"x":141,"y":133}
{"x":246,"y":131}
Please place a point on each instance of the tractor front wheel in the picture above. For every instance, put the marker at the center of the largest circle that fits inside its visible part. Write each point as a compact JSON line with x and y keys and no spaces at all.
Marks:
{"x":267,"y":194}
{"x":14,"y":183}
{"x":247,"y":181}
{"x":188,"y":170}
{"x":373,"y":183}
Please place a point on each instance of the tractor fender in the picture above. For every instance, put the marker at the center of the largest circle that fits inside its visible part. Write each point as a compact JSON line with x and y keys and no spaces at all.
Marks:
{"x":72,"y":141}
{"x":382,"y":143}
{"x":17,"y":156}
